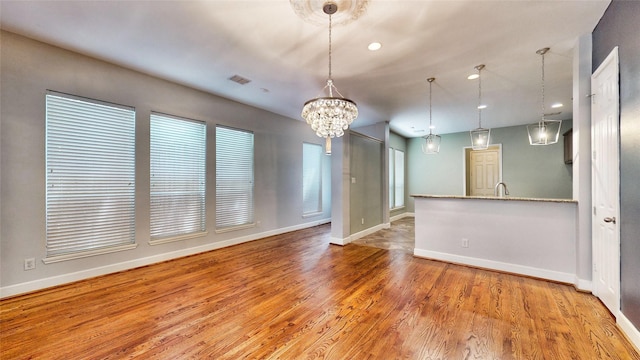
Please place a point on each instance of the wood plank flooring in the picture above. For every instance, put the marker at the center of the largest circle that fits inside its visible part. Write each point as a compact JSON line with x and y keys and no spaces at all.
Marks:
{"x":401,"y":236}
{"x":295,"y":296}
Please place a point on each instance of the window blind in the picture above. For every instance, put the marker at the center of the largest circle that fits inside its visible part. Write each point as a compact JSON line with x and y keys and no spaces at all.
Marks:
{"x":392,"y":186}
{"x":90,"y":175}
{"x":234,"y":178}
{"x":311,"y":179}
{"x":399,"y":178}
{"x":178,"y":168}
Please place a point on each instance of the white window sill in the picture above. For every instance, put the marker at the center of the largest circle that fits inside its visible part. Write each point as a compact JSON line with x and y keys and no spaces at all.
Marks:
{"x":178,"y":238}
{"x":307,"y":215}
{"x":84,"y":254}
{"x":234,"y":228}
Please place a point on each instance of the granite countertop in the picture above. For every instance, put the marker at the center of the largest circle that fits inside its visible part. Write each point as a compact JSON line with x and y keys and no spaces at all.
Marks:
{"x":505,"y":198}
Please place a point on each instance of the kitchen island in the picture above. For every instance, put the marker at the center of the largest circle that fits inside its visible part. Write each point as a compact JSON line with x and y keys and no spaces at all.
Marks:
{"x":527,"y":236}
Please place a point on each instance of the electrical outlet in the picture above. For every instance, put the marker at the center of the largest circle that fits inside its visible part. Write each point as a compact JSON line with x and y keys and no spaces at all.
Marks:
{"x":362,"y":221}
{"x":465,"y":243}
{"x":29,"y":264}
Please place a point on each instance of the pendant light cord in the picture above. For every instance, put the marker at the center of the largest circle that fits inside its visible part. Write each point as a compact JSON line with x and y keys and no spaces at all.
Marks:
{"x":479,"y":98}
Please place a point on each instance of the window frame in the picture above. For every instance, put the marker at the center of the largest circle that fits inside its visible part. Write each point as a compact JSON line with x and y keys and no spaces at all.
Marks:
{"x":89,"y":180}
{"x":305,"y":176}
{"x":396,"y":167}
{"x":233,"y":182}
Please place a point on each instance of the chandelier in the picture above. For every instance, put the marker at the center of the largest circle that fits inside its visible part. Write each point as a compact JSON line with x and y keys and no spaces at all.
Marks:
{"x":545,"y":132}
{"x":329,"y":116}
{"x":480,"y":137}
{"x":431,"y":143}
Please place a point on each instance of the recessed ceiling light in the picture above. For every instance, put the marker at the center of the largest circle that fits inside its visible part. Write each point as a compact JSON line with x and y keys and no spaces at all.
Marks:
{"x":473,"y":76}
{"x":482,"y":106}
{"x":374,"y":46}
{"x":556,"y":105}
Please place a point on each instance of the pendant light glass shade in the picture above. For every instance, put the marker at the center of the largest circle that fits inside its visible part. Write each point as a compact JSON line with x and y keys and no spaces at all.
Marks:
{"x":545,"y":131}
{"x":431,"y":143}
{"x":329,"y":116}
{"x":480,"y":137}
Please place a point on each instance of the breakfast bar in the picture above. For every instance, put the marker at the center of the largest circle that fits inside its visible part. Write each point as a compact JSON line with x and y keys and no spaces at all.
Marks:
{"x":527,"y":236}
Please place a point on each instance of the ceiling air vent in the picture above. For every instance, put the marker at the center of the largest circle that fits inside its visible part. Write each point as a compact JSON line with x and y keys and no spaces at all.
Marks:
{"x":239,"y":79}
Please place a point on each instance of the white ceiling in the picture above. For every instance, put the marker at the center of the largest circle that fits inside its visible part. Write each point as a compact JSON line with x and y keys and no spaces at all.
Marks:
{"x":202,"y":43}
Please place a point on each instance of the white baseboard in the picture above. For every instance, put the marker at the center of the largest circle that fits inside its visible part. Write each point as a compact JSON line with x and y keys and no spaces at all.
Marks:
{"x":44,"y":283}
{"x":358,"y":235}
{"x":583,"y":285}
{"x":401,"y":216}
{"x":497,"y":265}
{"x":368,"y":231}
{"x":632,"y":333}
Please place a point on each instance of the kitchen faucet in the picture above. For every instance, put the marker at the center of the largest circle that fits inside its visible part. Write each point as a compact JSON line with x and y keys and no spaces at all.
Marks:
{"x":497,"y":188}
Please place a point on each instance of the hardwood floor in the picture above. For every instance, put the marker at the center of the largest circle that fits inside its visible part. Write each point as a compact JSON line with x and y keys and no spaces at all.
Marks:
{"x":294,"y":296}
{"x":401,"y":236}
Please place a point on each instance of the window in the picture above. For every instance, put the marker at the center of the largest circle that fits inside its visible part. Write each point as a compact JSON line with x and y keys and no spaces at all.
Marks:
{"x":234,"y":178}
{"x":178,"y":154}
{"x":90,"y":177}
{"x":396,"y":178}
{"x":311,"y":179}
{"x":391,"y":177}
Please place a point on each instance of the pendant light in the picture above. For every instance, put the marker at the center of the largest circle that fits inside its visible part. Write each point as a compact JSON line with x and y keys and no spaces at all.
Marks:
{"x":329,"y":116}
{"x":431,"y":143}
{"x":480,"y":137}
{"x":545,"y":132}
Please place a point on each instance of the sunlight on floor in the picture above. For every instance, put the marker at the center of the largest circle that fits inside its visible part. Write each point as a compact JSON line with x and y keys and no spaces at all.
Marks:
{"x":401,"y":236}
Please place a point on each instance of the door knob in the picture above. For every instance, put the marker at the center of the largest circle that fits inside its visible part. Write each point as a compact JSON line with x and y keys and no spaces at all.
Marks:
{"x":610,"y":219}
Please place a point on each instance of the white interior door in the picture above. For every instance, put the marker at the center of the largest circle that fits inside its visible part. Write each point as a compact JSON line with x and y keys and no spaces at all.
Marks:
{"x":484,"y":172}
{"x":605,"y":182}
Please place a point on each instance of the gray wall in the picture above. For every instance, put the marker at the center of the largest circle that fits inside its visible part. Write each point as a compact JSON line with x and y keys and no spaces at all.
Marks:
{"x":529,"y":171}
{"x":366,"y":190}
{"x":29,"y":68}
{"x":620,"y":27}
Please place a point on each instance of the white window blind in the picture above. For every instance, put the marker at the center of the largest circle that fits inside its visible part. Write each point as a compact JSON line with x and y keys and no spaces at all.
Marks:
{"x":391,"y":179}
{"x":178,"y":168}
{"x":90,"y":176}
{"x":234,"y":178}
{"x":399,"y":178}
{"x":311,"y":179}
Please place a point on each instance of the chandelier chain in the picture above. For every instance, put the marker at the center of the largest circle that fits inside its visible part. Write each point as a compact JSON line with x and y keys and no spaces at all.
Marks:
{"x":542,"y":105}
{"x":330,"y":46}
{"x":430,"y":128}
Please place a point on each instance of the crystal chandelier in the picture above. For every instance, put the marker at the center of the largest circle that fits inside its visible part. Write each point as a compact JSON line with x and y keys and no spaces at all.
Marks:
{"x":480,"y":137}
{"x":431,"y":143}
{"x":329,"y":116}
{"x":545,"y":131}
